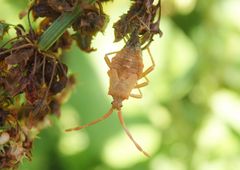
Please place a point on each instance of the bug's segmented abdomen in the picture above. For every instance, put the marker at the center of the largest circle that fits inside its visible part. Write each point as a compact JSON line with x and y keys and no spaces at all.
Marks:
{"x":128,"y":61}
{"x":121,"y":87}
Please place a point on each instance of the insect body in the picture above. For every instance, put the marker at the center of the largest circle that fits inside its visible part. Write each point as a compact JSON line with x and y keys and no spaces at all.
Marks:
{"x":125,"y":69}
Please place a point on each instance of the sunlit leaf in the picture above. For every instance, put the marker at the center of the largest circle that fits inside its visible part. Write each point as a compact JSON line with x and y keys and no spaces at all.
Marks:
{"x":4,"y":27}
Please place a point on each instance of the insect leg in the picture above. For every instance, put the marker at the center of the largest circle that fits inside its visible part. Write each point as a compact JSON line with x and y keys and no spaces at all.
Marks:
{"x":151,"y":67}
{"x":106,"y":115}
{"x":143,"y":84}
{"x":137,"y":96}
{"x":138,"y":86}
{"x":129,"y":134}
{"x":107,"y":60}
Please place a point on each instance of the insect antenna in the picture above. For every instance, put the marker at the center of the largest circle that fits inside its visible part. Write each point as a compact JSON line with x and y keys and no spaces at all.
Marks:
{"x":129,"y":134}
{"x":105,"y":116}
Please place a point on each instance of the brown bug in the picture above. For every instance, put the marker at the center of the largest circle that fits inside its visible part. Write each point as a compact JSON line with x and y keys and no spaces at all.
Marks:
{"x":125,"y":69}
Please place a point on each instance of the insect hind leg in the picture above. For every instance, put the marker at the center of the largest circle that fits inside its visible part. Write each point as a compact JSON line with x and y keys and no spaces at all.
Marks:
{"x":151,"y":68}
{"x":143,"y":84}
{"x":138,"y":86}
{"x":137,"y":96}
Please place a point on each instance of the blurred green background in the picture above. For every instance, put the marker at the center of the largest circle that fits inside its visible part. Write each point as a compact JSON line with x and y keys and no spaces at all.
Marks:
{"x":189,"y":117}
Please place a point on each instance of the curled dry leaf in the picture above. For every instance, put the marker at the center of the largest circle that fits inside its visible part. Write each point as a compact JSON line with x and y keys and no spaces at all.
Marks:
{"x":62,"y":5}
{"x":19,"y":56}
{"x":84,"y":42}
{"x":141,"y":17}
{"x":40,"y":8}
{"x":92,"y":21}
{"x":30,"y":79}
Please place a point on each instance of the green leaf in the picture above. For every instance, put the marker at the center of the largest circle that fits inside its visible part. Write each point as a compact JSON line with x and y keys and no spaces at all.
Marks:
{"x":59,"y":26}
{"x":4,"y":27}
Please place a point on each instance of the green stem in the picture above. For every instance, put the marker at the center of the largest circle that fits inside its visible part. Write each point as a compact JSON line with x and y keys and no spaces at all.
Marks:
{"x":58,"y":27}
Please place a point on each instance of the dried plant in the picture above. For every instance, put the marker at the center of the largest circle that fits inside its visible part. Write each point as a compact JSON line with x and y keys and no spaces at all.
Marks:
{"x":34,"y":81}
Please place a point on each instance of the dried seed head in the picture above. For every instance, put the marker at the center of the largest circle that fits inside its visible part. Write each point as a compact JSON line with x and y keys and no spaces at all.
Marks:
{"x":62,"y":6}
{"x":91,"y":21}
{"x":39,"y":76}
{"x":140,"y":17}
{"x":63,"y":43}
{"x":40,"y":8}
{"x":19,"y":56}
{"x":4,"y":138}
{"x":84,"y":42}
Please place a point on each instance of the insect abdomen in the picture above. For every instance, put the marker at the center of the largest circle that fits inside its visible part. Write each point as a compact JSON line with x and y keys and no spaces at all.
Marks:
{"x":128,"y":61}
{"x":120,"y":86}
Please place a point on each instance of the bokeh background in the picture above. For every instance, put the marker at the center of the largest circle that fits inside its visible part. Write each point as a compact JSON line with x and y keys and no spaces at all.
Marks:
{"x":189,"y":117}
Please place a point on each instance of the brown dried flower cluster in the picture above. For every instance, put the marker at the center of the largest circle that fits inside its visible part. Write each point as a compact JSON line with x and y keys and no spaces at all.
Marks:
{"x":141,"y":18}
{"x":31,"y":82}
{"x":91,"y":21}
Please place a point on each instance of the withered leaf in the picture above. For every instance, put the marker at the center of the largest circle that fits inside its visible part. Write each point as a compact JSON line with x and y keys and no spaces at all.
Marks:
{"x":3,"y":56}
{"x":64,"y":42}
{"x":14,"y":82}
{"x":3,"y":115}
{"x":41,"y":9}
{"x":61,"y":79}
{"x":84,"y":42}
{"x":140,"y":17}
{"x":121,"y":28}
{"x":19,"y":56}
{"x":91,"y":22}
{"x":62,"y":5}
{"x":55,"y":107}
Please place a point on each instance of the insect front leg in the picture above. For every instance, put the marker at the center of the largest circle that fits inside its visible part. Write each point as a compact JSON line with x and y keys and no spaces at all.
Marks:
{"x":107,"y":60}
{"x":151,"y":68}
